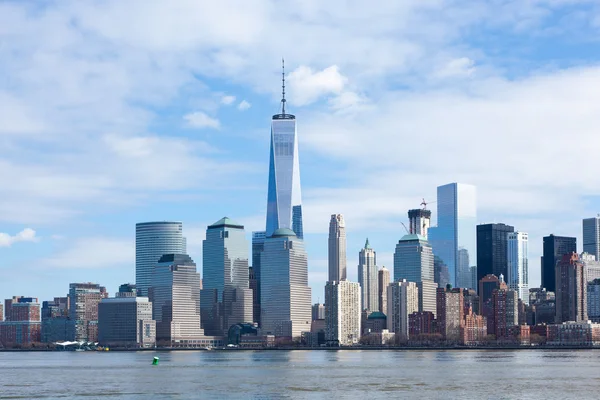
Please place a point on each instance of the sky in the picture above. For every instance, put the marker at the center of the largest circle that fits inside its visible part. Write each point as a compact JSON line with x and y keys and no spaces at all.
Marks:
{"x":115,"y":112}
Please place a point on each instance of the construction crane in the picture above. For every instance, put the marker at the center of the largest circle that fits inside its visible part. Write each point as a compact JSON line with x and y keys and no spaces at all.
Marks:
{"x":407,"y":231}
{"x":424,"y":203}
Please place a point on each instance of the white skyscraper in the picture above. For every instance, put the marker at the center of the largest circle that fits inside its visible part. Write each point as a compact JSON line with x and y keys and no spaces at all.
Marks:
{"x":403,"y":300}
{"x":591,"y":236}
{"x":368,"y":279}
{"x":342,"y":313}
{"x":518,"y":265}
{"x":384,"y":283}
{"x":337,"y":248}
{"x":284,"y":290}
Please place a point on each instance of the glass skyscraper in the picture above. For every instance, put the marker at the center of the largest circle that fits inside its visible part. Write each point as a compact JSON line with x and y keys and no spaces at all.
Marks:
{"x":284,"y":204}
{"x":152,"y":241}
{"x":591,"y":236}
{"x":492,"y":249}
{"x":454,"y":239}
{"x":285,"y":294}
{"x":225,"y":298}
{"x":258,"y":245}
{"x":518,"y":264}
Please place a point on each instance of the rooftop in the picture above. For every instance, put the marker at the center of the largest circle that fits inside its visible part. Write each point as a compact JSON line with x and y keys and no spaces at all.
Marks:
{"x":413,"y":236}
{"x":283,"y":232}
{"x":226,"y":222}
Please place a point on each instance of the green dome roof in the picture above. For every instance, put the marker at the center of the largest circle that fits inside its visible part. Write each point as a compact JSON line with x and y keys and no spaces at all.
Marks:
{"x":283,"y":232}
{"x":377,"y":315}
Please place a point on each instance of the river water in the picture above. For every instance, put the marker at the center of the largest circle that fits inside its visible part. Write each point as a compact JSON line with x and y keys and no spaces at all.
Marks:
{"x":523,"y":374}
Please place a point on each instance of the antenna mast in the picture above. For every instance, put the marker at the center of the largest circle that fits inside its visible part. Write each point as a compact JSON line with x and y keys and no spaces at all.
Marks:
{"x":283,"y":86}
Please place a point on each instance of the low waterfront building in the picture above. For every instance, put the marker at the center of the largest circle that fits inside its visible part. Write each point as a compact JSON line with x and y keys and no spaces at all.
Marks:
{"x":421,"y":323}
{"x":581,"y":334}
{"x":375,"y":322}
{"x":474,"y":329}
{"x":126,"y":321}
{"x":450,"y":313}
{"x":23,"y":322}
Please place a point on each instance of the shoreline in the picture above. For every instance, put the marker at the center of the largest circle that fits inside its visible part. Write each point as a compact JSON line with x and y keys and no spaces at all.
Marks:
{"x":355,"y":348}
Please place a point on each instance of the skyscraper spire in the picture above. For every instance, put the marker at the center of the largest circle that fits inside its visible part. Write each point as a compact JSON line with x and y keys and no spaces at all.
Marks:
{"x":283,"y":86}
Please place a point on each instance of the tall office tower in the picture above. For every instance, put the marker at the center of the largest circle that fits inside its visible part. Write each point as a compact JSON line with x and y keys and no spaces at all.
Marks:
{"x":492,"y":244}
{"x":593,"y":300}
{"x":506,"y":311}
{"x":226,"y":298}
{"x":285,"y":294}
{"x":413,"y":259}
{"x":342,"y":313}
{"x":450,"y":312}
{"x":592,"y":265}
{"x":591,"y":236}
{"x":403,"y":300}
{"x":384,"y":283}
{"x":284,"y":203}
{"x":1,"y":313}
{"x":419,"y":222}
{"x":554,"y":248}
{"x":23,"y":322}
{"x":175,"y":297}
{"x":152,"y":241}
{"x":253,"y":284}
{"x":258,"y":245}
{"x":440,"y":272}
{"x":126,"y":321}
{"x":368,"y":278}
{"x":518,"y":264}
{"x":571,"y":289}
{"x":454,"y":239}
{"x":318,"y":311}
{"x":83,"y":302}
{"x":337,"y":248}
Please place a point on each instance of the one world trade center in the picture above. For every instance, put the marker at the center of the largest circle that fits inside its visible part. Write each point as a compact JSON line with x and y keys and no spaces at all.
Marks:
{"x":284,"y":204}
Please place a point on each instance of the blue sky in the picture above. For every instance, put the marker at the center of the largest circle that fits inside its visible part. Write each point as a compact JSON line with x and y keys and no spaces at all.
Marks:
{"x":118,"y":112}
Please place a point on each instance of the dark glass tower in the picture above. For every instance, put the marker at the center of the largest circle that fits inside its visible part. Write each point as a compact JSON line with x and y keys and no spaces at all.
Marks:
{"x":492,"y":244}
{"x":554,"y":248}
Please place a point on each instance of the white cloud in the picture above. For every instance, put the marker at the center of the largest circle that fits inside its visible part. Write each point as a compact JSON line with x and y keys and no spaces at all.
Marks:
{"x":200,"y":120}
{"x":94,"y":252}
{"x":458,"y":67}
{"x":244,"y":105}
{"x":307,"y":86}
{"x":26,"y":235}
{"x":227,"y":100}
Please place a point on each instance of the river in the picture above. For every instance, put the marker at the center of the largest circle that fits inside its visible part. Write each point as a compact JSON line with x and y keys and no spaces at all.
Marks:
{"x":491,"y":374}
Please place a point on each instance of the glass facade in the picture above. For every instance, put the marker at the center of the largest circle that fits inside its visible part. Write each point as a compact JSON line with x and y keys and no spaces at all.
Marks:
{"x":284,"y":205}
{"x":554,"y":248}
{"x":258,"y":245}
{"x":152,"y":241}
{"x":518,"y":264}
{"x":413,"y":259}
{"x":224,"y":269}
{"x":492,"y":249}
{"x":454,"y":239}
{"x":285,"y":294}
{"x":591,"y":236}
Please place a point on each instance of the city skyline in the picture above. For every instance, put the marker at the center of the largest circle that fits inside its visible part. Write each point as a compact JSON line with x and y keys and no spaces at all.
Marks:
{"x":113,"y":126}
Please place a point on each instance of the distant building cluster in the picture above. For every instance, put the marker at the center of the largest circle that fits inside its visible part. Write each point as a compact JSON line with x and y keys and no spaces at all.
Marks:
{"x":453,"y":284}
